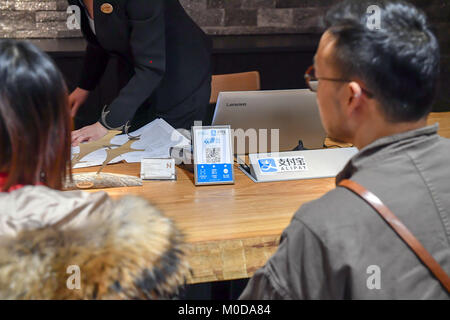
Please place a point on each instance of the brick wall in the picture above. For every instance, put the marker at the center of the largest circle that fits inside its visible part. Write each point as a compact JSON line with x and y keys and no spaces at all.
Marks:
{"x":257,"y":16}
{"x":34,"y":19}
{"x":47,"y":18}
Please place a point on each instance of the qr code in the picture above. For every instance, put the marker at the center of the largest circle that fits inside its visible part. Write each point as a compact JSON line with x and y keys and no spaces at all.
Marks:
{"x":213,"y":155}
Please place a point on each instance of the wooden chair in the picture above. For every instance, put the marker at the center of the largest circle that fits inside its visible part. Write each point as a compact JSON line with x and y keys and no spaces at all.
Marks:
{"x":244,"y":81}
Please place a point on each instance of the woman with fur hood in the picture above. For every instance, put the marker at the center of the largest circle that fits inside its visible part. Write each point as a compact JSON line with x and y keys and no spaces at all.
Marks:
{"x":124,"y":249}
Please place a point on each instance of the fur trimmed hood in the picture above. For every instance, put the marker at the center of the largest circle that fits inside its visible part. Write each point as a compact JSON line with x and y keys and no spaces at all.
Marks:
{"x":123,"y":249}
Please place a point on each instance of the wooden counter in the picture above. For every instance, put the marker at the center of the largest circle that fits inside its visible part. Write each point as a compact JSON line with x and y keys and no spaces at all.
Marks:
{"x":231,"y":229}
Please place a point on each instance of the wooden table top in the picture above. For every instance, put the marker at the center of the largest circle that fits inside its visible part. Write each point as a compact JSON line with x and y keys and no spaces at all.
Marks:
{"x":231,"y":230}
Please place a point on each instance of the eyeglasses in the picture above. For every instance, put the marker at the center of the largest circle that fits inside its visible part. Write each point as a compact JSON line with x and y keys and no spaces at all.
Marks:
{"x":313,"y":82}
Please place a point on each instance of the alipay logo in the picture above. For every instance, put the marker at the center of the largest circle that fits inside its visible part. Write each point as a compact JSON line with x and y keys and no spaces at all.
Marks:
{"x":268,"y":165}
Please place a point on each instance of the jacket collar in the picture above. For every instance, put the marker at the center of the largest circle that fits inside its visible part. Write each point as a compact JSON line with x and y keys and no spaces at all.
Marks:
{"x":384,"y":147}
{"x":4,"y":178}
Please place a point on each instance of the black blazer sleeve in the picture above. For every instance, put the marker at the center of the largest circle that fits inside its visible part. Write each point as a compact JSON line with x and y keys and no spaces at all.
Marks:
{"x":95,"y":58}
{"x":95,"y":62}
{"x":147,"y":43}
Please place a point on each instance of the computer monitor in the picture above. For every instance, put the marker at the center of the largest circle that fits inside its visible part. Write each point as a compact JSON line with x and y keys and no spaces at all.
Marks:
{"x":270,"y":120}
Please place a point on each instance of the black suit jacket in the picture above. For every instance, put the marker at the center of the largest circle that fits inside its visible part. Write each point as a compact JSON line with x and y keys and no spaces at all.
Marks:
{"x":164,"y":58}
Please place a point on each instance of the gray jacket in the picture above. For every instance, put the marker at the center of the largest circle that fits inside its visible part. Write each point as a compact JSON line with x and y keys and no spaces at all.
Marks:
{"x":337,"y":247}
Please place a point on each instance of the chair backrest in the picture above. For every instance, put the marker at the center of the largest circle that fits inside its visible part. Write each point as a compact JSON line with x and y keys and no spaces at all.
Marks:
{"x":244,"y":81}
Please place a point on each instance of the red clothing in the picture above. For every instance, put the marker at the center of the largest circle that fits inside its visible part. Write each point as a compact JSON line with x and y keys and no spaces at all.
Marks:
{"x":3,"y":178}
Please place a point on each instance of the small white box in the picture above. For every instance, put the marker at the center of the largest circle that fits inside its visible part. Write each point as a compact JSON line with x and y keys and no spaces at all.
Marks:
{"x":296,"y":165}
{"x":158,"y":169}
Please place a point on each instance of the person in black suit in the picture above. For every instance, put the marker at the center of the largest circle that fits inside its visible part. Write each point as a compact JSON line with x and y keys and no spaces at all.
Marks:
{"x":164,"y":62}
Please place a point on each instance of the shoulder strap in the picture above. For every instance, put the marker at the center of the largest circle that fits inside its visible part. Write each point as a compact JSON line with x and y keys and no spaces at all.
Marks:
{"x":401,"y":230}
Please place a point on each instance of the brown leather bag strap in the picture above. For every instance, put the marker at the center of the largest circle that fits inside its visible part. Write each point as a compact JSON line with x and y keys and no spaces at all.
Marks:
{"x":401,"y":230}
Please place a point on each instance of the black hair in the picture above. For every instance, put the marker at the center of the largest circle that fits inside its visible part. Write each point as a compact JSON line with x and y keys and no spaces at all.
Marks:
{"x":35,"y":122}
{"x":398,"y":62}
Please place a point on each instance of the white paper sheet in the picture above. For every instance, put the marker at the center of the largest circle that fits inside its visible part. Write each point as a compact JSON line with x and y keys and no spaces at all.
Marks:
{"x":157,"y":138}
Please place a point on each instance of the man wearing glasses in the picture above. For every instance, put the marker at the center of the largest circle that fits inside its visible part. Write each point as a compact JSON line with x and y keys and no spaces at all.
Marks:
{"x":375,"y":89}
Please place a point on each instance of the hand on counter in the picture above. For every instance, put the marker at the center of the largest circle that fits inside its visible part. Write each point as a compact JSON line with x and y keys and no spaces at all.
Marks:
{"x":76,"y":99}
{"x":88,"y":134}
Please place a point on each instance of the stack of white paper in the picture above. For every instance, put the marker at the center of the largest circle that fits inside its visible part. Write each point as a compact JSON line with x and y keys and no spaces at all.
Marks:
{"x":156,"y":139}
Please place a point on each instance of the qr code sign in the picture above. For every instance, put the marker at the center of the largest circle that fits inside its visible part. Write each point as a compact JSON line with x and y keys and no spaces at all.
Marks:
{"x":213,"y":155}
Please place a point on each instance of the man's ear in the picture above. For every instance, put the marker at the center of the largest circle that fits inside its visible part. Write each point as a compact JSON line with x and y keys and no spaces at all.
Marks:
{"x":354,"y":97}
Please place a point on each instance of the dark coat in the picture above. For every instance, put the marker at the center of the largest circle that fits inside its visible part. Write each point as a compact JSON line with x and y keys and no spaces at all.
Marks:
{"x":164,"y":60}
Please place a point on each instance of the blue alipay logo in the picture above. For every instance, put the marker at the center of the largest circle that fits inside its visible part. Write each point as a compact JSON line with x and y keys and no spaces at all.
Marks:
{"x":268,"y":165}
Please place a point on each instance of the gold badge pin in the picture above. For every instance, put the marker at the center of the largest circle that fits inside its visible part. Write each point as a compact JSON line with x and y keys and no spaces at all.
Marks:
{"x":107,"y":8}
